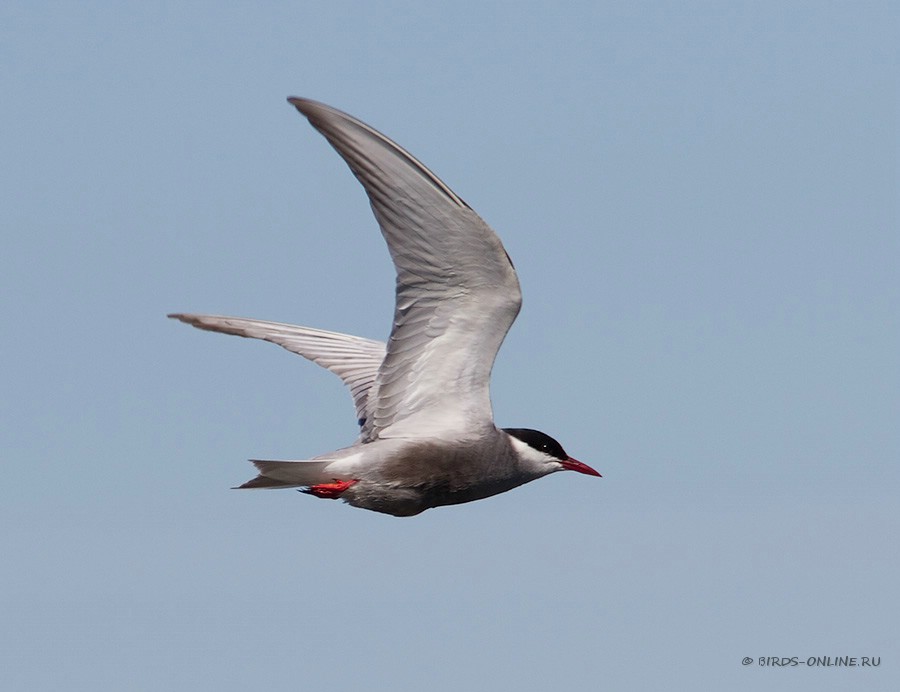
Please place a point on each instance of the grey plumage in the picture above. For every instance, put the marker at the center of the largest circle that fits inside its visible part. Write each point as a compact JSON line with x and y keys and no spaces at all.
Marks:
{"x":422,"y":400}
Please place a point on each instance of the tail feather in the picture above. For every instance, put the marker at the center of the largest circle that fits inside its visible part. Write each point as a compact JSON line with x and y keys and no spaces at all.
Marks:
{"x":288,"y":474}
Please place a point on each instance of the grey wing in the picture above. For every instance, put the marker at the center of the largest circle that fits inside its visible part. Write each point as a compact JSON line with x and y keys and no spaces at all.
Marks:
{"x":352,"y":358}
{"x":457,"y":292}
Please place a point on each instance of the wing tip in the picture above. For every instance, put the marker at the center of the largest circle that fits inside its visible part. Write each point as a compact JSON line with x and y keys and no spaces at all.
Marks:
{"x":309,"y":107}
{"x":322,"y":117}
{"x":198,"y":321}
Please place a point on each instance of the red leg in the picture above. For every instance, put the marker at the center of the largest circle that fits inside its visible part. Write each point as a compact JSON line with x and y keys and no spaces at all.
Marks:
{"x":330,"y":491}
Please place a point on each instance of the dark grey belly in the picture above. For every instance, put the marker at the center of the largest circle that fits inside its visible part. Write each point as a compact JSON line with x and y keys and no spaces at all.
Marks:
{"x":408,"y":501}
{"x":426,"y":476}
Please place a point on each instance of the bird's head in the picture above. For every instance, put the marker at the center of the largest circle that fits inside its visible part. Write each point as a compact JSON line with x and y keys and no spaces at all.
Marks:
{"x":542,"y":452}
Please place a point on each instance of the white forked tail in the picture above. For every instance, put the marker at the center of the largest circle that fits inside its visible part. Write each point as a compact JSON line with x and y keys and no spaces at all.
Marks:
{"x":288,"y":474}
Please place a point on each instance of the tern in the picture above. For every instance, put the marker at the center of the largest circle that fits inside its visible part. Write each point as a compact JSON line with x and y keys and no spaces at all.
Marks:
{"x":426,"y":430}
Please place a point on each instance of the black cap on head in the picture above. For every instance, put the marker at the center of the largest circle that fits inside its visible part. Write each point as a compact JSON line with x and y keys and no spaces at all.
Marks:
{"x":539,"y":441}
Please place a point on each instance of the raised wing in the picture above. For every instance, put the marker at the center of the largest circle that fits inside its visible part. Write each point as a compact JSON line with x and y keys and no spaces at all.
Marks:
{"x":354,"y":359}
{"x":457,"y":291}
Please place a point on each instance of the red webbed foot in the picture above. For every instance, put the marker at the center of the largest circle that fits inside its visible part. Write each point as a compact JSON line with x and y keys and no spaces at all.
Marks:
{"x":329,"y":491}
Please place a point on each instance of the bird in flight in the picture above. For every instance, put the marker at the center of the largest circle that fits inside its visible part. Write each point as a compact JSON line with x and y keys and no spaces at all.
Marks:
{"x":426,"y":430}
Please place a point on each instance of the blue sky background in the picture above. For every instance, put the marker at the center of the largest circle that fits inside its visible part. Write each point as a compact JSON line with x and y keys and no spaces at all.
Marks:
{"x":701,"y":200}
